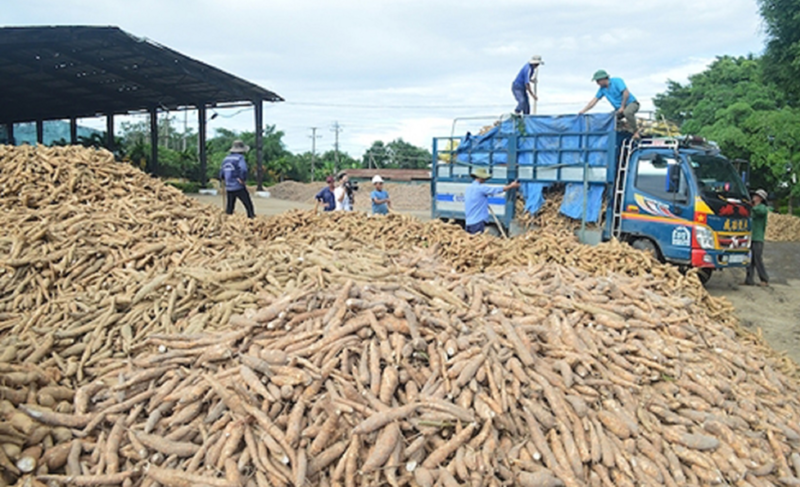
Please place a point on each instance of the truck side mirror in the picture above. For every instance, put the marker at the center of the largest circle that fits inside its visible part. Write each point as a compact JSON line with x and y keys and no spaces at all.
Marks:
{"x":673,"y":179}
{"x":673,"y":184}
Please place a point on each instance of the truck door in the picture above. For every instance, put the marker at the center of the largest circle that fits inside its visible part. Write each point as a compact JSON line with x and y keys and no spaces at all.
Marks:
{"x":658,"y":205}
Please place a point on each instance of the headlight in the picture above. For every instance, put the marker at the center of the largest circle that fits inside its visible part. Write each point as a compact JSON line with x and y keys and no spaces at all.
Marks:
{"x":704,"y":236}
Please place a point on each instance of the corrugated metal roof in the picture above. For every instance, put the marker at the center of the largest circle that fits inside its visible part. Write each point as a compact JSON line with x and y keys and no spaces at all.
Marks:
{"x":49,"y":73}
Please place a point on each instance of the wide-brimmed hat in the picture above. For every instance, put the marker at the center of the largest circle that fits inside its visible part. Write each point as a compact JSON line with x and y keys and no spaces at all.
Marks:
{"x":536,"y":59}
{"x":239,"y":147}
{"x":599,"y":74}
{"x":763,"y":194}
{"x":376,"y":179}
{"x":481,"y":173}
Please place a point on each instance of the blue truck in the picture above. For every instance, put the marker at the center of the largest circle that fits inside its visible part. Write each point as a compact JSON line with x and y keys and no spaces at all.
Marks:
{"x":675,"y":197}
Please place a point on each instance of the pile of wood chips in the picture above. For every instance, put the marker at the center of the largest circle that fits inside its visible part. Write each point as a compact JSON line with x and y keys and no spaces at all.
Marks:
{"x":146,"y":339}
{"x":782,"y":228}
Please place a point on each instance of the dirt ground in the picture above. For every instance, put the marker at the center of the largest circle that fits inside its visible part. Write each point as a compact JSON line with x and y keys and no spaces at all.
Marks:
{"x":774,"y":309}
{"x":274,"y":206}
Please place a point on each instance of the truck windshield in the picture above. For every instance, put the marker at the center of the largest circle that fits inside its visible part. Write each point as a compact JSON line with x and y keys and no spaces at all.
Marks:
{"x":716,"y":178}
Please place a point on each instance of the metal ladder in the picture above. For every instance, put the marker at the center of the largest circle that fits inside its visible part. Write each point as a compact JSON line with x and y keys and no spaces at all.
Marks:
{"x":619,"y":187}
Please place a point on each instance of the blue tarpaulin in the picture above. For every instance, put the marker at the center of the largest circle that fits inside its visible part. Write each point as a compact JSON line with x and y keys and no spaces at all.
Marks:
{"x":572,"y":206}
{"x":532,"y":193}
{"x":548,"y":141}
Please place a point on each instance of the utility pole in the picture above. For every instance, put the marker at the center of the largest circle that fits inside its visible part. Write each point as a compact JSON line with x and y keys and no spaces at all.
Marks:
{"x":314,"y":138}
{"x":336,"y":128}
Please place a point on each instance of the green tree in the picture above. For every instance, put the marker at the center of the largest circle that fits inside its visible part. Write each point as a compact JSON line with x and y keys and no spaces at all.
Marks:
{"x":782,"y":56}
{"x":397,"y":154}
{"x":727,"y":81}
{"x":774,"y":141}
{"x":733,"y":104}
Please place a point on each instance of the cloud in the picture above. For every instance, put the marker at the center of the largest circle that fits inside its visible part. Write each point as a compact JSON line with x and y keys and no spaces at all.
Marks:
{"x":386,"y":68}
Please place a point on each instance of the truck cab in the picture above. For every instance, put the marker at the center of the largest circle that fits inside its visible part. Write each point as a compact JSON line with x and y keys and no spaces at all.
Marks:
{"x":684,"y":203}
{"x":675,"y":197}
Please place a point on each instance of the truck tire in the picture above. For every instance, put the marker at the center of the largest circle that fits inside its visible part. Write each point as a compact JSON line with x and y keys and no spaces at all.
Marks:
{"x":648,"y":246}
{"x":492,"y":230}
{"x":704,"y":274}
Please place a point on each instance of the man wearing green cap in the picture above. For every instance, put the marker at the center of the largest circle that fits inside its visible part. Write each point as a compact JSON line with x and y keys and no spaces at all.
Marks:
{"x":617,"y":93}
{"x":476,"y":200}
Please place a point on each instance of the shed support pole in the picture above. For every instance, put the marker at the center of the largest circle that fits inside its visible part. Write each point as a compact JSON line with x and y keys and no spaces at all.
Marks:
{"x":73,"y":130}
{"x":10,"y":133}
{"x":110,"y":132}
{"x":40,"y":132}
{"x":259,"y":105}
{"x":201,"y":142}
{"x":153,"y":141}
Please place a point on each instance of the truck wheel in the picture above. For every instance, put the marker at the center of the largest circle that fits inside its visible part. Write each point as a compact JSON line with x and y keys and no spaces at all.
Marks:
{"x":492,"y":230}
{"x":704,"y":274}
{"x":648,"y":246}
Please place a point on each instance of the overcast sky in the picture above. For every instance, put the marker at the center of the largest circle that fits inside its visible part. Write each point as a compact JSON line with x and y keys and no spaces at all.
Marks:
{"x":388,"y":69}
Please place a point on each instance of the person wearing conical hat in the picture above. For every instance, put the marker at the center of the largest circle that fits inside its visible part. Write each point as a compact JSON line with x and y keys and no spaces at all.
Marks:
{"x":476,"y":200}
{"x":521,"y":86}
{"x":615,"y":91}
{"x":233,"y":172}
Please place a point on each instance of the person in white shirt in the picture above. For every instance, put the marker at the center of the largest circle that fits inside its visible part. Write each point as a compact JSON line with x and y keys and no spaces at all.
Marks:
{"x":343,"y":202}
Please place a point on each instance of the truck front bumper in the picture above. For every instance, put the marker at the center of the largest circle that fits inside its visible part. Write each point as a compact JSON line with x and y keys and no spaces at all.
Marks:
{"x":718,"y":259}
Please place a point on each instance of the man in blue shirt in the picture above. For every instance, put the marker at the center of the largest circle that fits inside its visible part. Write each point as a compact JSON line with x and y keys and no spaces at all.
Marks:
{"x":617,"y":94}
{"x":380,"y":198}
{"x":325,"y":196}
{"x":233,"y":173}
{"x":522,"y":85}
{"x":476,"y":200}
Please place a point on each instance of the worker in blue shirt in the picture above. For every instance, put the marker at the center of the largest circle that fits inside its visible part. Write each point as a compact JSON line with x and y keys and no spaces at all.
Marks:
{"x":476,"y":200}
{"x":615,"y":91}
{"x":325,"y":196}
{"x":380,"y":197}
{"x":522,"y":85}
{"x":233,"y":172}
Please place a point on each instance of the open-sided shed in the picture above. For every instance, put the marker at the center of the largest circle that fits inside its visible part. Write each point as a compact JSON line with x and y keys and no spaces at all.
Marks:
{"x":71,"y":72}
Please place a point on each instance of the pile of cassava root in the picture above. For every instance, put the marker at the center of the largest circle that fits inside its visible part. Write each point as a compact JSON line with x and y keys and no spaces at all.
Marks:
{"x":146,"y":339}
{"x":783,"y":228}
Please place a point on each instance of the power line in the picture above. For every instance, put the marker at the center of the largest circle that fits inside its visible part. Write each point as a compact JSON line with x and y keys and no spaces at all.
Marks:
{"x":448,"y":107}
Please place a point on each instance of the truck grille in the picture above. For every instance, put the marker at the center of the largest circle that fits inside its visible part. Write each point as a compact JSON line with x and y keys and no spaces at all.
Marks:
{"x":735,"y":241}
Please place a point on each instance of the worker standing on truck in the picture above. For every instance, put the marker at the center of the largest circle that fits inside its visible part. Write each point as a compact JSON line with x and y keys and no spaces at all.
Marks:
{"x":233,"y":172}
{"x":759,"y":214}
{"x":476,"y":200}
{"x":522,"y":85}
{"x":615,"y":91}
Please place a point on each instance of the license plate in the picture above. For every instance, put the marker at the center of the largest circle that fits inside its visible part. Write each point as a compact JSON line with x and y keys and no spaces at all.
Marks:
{"x":737,"y":259}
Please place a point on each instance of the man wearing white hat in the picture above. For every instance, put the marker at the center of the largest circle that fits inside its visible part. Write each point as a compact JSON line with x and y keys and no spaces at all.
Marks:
{"x":522,"y":85}
{"x":476,"y":200}
{"x":759,"y":214}
{"x":380,"y":197}
{"x":233,"y":172}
